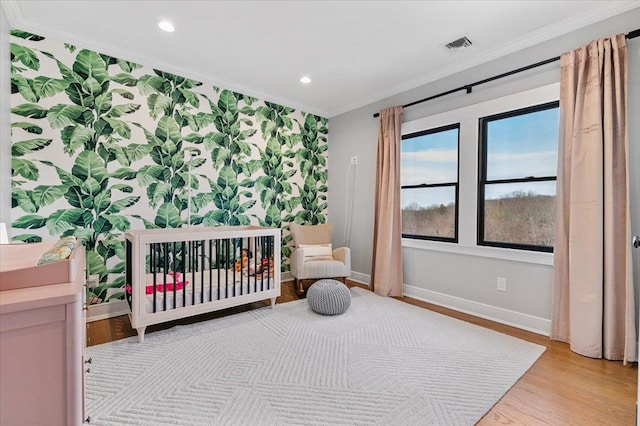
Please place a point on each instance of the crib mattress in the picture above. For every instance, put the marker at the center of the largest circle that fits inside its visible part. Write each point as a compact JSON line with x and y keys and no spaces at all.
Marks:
{"x":188,"y":291}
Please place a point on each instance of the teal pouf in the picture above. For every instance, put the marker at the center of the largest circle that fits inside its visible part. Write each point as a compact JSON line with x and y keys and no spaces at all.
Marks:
{"x":328,"y":297}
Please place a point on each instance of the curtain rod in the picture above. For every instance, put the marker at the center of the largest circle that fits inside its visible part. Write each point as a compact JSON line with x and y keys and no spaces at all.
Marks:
{"x":469,"y":87}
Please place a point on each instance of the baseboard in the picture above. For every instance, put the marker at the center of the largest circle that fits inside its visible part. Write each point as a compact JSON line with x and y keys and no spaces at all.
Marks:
{"x":355,"y":276}
{"x":360,"y":278}
{"x":286,"y":276}
{"x":107,"y":310}
{"x":504,"y":316}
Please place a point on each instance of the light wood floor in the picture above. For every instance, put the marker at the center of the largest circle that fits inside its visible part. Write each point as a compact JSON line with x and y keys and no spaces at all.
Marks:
{"x":562,"y":388}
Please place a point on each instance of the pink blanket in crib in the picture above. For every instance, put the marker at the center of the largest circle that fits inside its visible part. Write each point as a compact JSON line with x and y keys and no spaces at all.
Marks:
{"x":172,"y":280}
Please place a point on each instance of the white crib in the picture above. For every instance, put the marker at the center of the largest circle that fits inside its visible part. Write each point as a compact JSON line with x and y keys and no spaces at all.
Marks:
{"x":176,"y":273}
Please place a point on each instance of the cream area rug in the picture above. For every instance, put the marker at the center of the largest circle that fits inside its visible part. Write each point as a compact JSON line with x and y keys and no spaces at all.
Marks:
{"x":382,"y":362}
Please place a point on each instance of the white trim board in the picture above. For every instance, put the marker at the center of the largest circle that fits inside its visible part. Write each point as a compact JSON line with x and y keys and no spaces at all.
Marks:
{"x":360,"y":278}
{"x":286,"y":276}
{"x":107,"y":310}
{"x":493,"y":313}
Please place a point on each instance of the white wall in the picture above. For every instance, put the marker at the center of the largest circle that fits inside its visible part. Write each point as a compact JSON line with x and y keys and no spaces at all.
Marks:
{"x":460,"y":280}
{"x":5,"y":121}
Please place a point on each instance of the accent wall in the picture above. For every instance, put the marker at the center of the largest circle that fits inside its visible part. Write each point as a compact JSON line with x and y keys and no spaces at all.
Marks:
{"x":101,"y":145}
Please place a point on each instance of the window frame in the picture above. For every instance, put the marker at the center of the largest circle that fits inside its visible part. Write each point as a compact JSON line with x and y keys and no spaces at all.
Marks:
{"x":483,"y":181}
{"x":455,"y":184}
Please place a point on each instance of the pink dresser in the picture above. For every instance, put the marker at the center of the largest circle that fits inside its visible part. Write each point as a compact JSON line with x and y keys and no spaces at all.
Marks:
{"x":42,"y":337}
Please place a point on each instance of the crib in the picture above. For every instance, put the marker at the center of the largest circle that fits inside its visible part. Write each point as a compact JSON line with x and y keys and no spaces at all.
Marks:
{"x":176,"y":273}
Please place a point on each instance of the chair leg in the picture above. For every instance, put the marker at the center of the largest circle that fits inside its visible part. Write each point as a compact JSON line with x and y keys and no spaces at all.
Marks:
{"x":299,"y":286}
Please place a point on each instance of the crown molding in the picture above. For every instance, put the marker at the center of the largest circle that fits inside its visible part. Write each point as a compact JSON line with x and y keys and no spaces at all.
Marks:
{"x":538,"y":36}
{"x":150,"y":61}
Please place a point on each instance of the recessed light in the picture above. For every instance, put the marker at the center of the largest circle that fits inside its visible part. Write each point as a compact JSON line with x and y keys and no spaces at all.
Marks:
{"x":166,"y":26}
{"x":305,"y":79}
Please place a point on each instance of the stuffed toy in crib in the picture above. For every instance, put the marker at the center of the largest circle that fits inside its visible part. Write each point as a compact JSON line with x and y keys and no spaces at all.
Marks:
{"x":246,"y":266}
{"x":249,"y":267}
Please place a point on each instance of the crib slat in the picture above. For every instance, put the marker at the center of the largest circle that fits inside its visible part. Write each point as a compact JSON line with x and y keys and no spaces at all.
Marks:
{"x":165,"y":266}
{"x":233,"y":250}
{"x":241,"y":259}
{"x":218,"y":264}
{"x":128,"y":273}
{"x":256,"y":261}
{"x":152,"y":268}
{"x":210,"y":270}
{"x":270,"y":239}
{"x":194,"y":264}
{"x":226,"y":281}
{"x":255,"y":276}
{"x":184,"y":274}
{"x":202,"y":273}
{"x":175,"y":274}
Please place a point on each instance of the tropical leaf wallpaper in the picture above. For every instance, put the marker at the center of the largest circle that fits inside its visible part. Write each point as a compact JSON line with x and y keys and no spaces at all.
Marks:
{"x":101,"y":145}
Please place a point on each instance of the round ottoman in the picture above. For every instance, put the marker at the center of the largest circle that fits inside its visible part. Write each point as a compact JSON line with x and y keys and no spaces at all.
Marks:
{"x":328,"y":297}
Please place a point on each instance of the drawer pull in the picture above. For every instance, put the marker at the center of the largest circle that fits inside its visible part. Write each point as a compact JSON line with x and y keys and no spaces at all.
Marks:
{"x":88,"y":370}
{"x":88,"y":361}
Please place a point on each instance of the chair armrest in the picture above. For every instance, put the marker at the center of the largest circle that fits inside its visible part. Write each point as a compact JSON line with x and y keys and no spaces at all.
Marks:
{"x":343,"y":254}
{"x":296,"y":262}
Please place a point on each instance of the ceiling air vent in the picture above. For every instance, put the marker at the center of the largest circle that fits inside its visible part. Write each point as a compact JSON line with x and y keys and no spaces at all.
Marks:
{"x":458,"y":44}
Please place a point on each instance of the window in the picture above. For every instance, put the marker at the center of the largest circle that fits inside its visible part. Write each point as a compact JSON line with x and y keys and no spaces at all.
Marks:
{"x":517,"y":179}
{"x":429,"y":196}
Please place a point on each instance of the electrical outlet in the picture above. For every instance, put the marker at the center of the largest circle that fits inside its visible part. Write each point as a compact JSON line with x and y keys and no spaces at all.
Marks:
{"x":93,"y":281}
{"x":501,"y":284}
{"x":354,"y":160}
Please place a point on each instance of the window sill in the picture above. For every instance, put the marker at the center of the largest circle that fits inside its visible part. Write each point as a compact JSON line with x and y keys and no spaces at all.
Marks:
{"x":524,"y":256}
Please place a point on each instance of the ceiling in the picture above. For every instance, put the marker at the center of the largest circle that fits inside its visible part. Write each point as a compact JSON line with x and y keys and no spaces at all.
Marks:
{"x":356,"y":52}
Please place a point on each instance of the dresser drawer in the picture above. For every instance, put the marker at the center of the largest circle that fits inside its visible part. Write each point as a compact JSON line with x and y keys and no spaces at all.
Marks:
{"x":31,"y":318}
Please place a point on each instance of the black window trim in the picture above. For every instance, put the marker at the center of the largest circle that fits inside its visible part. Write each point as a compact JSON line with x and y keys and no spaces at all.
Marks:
{"x":482,"y":176}
{"x":456,"y":184}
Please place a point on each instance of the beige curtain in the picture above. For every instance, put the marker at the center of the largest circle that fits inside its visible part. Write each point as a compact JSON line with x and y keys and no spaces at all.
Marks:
{"x":593,"y":300}
{"x":386,"y":273}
